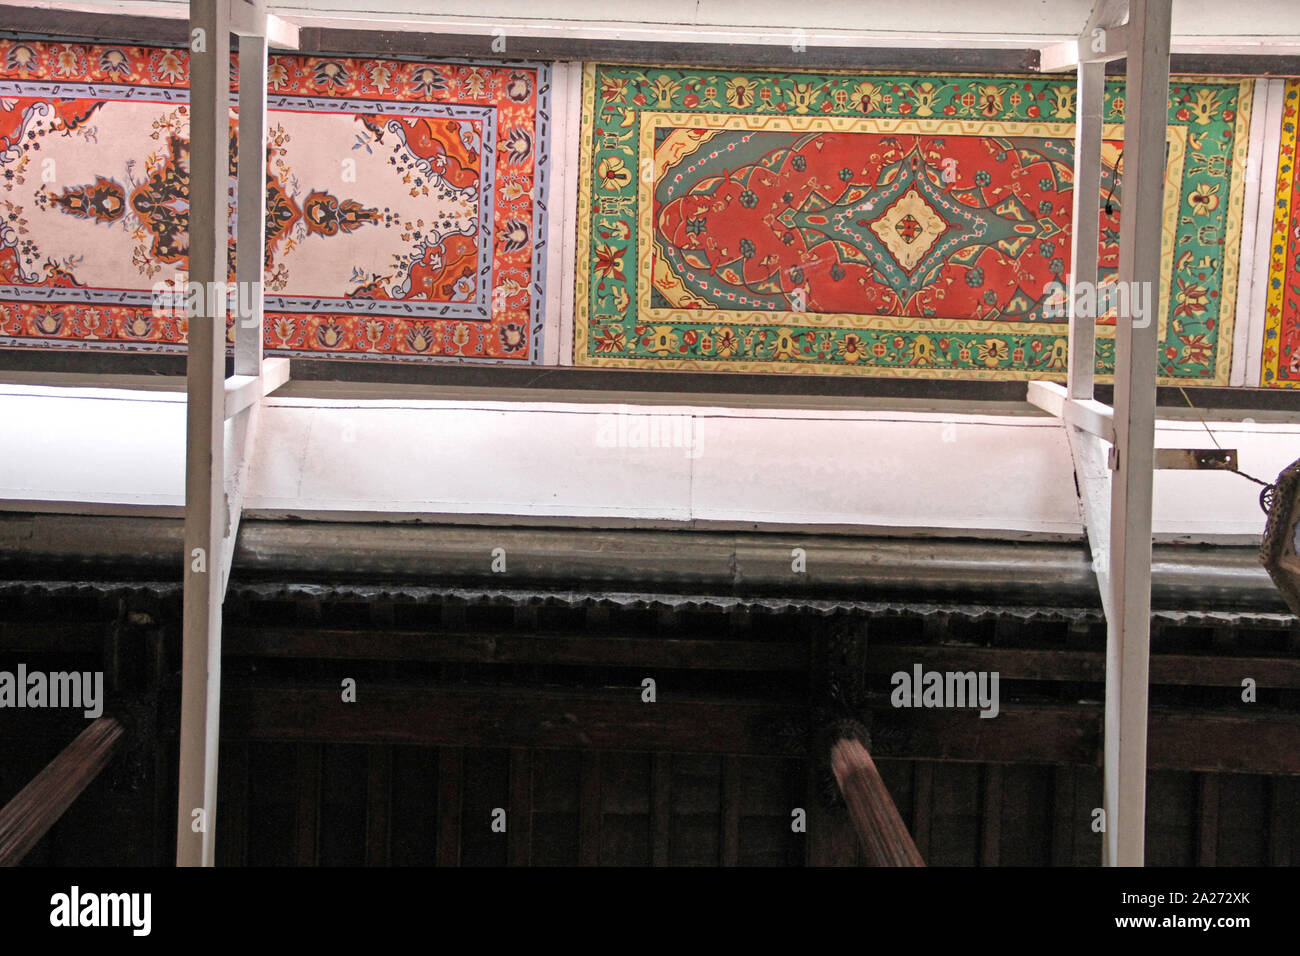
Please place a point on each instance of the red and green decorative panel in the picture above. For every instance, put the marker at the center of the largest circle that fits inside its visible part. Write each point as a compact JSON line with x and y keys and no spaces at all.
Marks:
{"x":1281,"y":355}
{"x":403,"y":212}
{"x":881,"y":225}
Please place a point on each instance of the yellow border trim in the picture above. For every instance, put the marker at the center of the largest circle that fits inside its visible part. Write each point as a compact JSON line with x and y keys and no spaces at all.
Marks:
{"x":1277,"y":244}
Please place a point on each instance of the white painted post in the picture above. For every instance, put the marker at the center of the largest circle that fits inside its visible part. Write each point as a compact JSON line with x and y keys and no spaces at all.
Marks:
{"x":1128,"y":633}
{"x":205,"y":507}
{"x":251,"y":188}
{"x":1083,"y":245}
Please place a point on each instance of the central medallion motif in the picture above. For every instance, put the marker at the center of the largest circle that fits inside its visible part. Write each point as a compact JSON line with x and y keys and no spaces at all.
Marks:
{"x":909,"y":229}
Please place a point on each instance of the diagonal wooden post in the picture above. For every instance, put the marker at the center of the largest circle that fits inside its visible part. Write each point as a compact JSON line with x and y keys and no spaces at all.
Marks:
{"x":882,"y":834}
{"x":39,"y":805}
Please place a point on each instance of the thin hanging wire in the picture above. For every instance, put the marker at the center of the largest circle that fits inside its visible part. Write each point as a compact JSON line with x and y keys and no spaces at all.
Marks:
{"x":1266,"y":495}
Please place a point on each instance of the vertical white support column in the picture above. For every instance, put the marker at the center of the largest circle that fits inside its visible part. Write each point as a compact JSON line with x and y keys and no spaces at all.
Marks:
{"x":205,"y":507}
{"x":1083,"y":245}
{"x":1129,"y":636}
{"x":251,"y":225}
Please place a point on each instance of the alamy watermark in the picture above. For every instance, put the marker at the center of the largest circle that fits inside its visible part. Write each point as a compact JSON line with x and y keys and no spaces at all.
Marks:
{"x":630,"y":430}
{"x":75,"y":908}
{"x":922,"y":688}
{"x":1092,"y":300}
{"x":24,"y":688}
{"x":181,"y":296}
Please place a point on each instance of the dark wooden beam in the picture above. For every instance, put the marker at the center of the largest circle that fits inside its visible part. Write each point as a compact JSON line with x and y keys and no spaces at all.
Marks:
{"x":661,"y":808}
{"x":39,"y":805}
{"x":460,"y":715}
{"x":450,"y":716}
{"x":520,"y":822}
{"x":1207,"y":824}
{"x":308,"y":816}
{"x":451,"y":762}
{"x":1281,"y":817}
{"x":922,"y":804}
{"x":22,"y":637}
{"x":679,"y":387}
{"x":731,"y":808}
{"x":830,"y":840}
{"x":683,"y":51}
{"x":586,"y":649}
{"x":232,"y":804}
{"x":1018,"y":663}
{"x":589,"y":810}
{"x":102,"y":27}
{"x":1064,"y":823}
{"x":881,"y":832}
{"x":379,"y":802}
{"x":991,"y":815}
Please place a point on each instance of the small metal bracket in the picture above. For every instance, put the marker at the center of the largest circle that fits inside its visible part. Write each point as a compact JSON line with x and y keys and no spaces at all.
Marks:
{"x":1196,"y":459}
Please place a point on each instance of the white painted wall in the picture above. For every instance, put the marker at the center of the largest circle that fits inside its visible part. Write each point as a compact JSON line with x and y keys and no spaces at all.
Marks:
{"x":887,"y":472}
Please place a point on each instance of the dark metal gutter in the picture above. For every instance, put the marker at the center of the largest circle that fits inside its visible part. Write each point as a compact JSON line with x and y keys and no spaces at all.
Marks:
{"x":596,"y":564}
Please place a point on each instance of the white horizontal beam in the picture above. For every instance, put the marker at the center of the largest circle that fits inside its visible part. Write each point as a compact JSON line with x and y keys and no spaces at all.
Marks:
{"x":281,"y":33}
{"x":1283,"y":40}
{"x":251,"y":20}
{"x":247,"y":19}
{"x":1090,"y":415}
{"x":1112,"y":44}
{"x":244,"y":390}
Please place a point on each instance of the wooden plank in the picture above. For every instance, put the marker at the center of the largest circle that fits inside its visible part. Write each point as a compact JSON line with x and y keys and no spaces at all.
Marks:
{"x":882,"y":835}
{"x":830,"y":839}
{"x":451,"y":761}
{"x":1281,"y":814}
{"x":232,"y":848}
{"x":661,"y":808}
{"x":1091,"y":85}
{"x":1016,"y":663}
{"x":38,"y":806}
{"x":922,"y":805}
{"x":307,"y":819}
{"x":589,"y":810}
{"x":520,"y":822}
{"x":20,"y":637}
{"x":603,"y":649}
{"x":1063,"y":821}
{"x":205,"y":518}
{"x":1224,"y":744}
{"x":379,"y":796}
{"x":731,"y":805}
{"x":1207,"y":826}
{"x":1129,"y":608}
{"x":991,"y":815}
{"x":457,"y":715}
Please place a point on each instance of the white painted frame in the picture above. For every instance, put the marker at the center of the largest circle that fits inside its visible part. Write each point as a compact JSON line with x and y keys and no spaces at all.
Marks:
{"x":214,"y":486}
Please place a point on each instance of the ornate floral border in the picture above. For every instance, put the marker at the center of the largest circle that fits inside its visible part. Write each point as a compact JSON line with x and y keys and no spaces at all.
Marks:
{"x":512,"y":332}
{"x":1211,"y":115}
